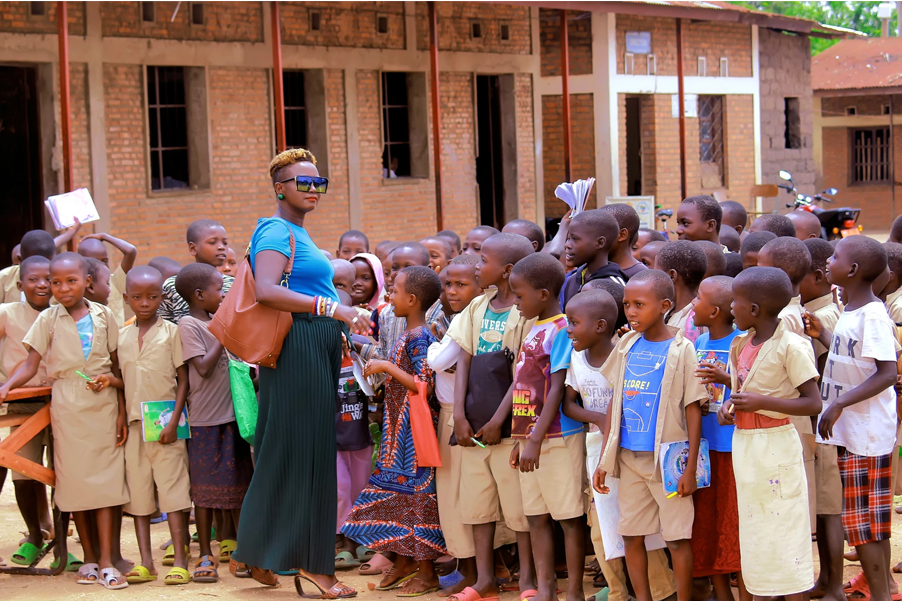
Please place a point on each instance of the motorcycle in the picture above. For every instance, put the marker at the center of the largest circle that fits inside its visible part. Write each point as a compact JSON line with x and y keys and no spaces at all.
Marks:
{"x":835,"y":223}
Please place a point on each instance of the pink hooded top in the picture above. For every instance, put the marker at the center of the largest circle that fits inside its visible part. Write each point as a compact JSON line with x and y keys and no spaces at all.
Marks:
{"x":376,"y":266}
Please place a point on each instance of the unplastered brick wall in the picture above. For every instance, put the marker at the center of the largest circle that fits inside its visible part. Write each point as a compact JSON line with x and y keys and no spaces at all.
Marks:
{"x":455,"y":21}
{"x":863,"y":105}
{"x":711,"y":40}
{"x":582,"y":143}
{"x":875,"y":200}
{"x":785,"y":72}
{"x":223,"y":21}
{"x":16,"y":17}
{"x":240,"y":139}
{"x":526,"y":147}
{"x":81,"y":136}
{"x":347,"y":24}
{"x":579,"y":38}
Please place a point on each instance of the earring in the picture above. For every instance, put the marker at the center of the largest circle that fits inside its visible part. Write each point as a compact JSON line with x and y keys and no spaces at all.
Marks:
{"x":281,"y":197}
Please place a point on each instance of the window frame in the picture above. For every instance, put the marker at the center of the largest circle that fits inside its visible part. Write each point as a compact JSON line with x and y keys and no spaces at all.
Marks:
{"x":385,"y":124}
{"x":886,"y":163}
{"x":153,"y":9}
{"x":303,"y":109}
{"x":792,"y":130}
{"x":716,"y":119}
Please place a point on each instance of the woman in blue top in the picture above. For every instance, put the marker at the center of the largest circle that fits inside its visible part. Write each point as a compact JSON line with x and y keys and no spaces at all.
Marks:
{"x":292,"y":501}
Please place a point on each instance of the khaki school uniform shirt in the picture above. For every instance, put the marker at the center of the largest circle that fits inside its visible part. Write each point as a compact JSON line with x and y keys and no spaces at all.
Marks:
{"x":60,"y":346}
{"x":894,"y":306}
{"x":785,"y":362}
{"x":791,"y":316}
{"x":8,"y":288}
{"x":149,"y":372}
{"x":15,"y":321}
{"x":679,"y":388}
{"x":828,"y":312}
{"x":467,"y":326}
{"x":121,"y":311}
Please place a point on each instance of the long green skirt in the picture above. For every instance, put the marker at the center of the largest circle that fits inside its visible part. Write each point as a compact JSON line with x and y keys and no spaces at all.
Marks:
{"x":288,"y":516}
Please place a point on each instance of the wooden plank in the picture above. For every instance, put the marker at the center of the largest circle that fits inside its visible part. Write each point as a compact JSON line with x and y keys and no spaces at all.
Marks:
{"x":17,"y":394}
{"x":28,"y":430}
{"x":28,"y":468}
{"x":13,"y":419}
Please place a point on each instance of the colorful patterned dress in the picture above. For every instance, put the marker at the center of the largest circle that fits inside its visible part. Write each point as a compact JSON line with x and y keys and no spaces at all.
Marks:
{"x":398,"y":511}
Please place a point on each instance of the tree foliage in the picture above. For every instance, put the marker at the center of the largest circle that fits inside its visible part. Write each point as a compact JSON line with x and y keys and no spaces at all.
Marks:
{"x":857,"y":15}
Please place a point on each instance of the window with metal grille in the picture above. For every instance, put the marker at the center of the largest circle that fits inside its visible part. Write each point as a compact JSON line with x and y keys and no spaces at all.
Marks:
{"x":871,"y":155}
{"x":395,"y":126}
{"x":168,"y":126}
{"x":792,"y":127}
{"x":710,"y":140}
{"x":295,"y":109}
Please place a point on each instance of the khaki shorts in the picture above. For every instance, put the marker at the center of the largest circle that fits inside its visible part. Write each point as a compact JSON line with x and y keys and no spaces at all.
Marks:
{"x":828,"y":484}
{"x":644,"y":506}
{"x":151,"y":463}
{"x":33,"y":450}
{"x":490,"y":488}
{"x":558,"y":487}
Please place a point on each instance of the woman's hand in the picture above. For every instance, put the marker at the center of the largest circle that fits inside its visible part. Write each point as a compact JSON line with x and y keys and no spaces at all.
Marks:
{"x":356,"y":323}
{"x":376,"y":366}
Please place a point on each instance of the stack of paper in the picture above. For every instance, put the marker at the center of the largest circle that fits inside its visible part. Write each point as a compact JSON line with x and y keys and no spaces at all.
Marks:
{"x":575,"y":194}
{"x":64,"y":208}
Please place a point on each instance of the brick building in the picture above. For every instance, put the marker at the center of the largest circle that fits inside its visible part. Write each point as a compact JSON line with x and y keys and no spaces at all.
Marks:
{"x":172,"y":110}
{"x":857,"y":107}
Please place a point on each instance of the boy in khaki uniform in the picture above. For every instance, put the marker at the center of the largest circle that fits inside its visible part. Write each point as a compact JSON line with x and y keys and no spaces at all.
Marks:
{"x":34,"y":243}
{"x":91,"y":246}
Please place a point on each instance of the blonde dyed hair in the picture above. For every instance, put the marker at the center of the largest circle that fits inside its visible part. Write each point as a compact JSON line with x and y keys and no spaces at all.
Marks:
{"x":290,"y":157}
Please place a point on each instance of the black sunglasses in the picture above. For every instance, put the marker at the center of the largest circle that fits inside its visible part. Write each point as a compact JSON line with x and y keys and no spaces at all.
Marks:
{"x":306,"y":182}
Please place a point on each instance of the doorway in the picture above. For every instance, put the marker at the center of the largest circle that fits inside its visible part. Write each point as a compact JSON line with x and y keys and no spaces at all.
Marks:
{"x":489,"y":160}
{"x":21,"y":194}
{"x":633,"y":147}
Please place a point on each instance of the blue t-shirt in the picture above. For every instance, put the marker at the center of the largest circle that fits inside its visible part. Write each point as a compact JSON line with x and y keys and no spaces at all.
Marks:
{"x":642,"y":378}
{"x":312,"y":272}
{"x":720,"y":438}
{"x":85,"y":327}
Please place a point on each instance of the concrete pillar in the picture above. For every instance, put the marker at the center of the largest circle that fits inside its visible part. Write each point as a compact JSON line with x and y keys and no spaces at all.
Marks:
{"x":604,"y":66}
{"x":96,"y":114}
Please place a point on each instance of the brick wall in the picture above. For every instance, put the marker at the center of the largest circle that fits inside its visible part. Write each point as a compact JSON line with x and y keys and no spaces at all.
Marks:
{"x":459,"y":196}
{"x":81,"y":141}
{"x":526,"y":146}
{"x":711,"y":40}
{"x":874,"y":199}
{"x":223,"y":21}
{"x":582,"y":143}
{"x":579,"y":42}
{"x":864,"y":105}
{"x":348,"y":24}
{"x":16,"y":17}
{"x":456,"y":18}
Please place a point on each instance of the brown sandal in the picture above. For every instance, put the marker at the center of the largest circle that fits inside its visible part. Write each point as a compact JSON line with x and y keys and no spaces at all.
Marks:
{"x":267,"y":577}
{"x":239,"y":569}
{"x":338,"y":590}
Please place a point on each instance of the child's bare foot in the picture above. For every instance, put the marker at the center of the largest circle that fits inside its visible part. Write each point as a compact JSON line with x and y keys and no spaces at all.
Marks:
{"x":820,"y":591}
{"x":417,"y":586}
{"x":851,"y":555}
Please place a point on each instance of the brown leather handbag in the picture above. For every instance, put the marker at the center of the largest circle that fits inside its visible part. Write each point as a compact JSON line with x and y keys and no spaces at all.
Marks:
{"x":247,"y":329}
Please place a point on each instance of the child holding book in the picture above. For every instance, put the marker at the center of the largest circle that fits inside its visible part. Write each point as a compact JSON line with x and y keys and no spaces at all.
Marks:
{"x":773,"y":376}
{"x":398,"y":481}
{"x":219,"y":460}
{"x":78,"y":337}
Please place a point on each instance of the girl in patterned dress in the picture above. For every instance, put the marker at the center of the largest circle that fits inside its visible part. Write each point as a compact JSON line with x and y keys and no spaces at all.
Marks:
{"x":398,"y":511}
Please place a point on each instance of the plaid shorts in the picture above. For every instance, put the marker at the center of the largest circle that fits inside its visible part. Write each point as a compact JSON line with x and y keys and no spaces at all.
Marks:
{"x":867,"y":497}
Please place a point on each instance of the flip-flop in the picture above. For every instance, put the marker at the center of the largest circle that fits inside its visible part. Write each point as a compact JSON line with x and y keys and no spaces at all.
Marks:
{"x":346,"y":561}
{"x":858,"y":585}
{"x":88,"y":574}
{"x":397,"y":583}
{"x":72,"y":563}
{"x":169,"y":557}
{"x":420,"y":593}
{"x":205,"y":570}
{"x":196,"y":539}
{"x":139,"y":574}
{"x":364,"y":553}
{"x":177,"y":576}
{"x":470,"y":594}
{"x":528,"y":594}
{"x":372,"y":567}
{"x":601,"y":595}
{"x":108,"y":575}
{"x":26,"y":555}
{"x":226,"y":548}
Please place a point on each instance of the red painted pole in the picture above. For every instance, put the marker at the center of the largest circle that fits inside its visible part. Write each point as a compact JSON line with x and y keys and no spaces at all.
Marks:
{"x":62,"y":21}
{"x":436,"y":115}
{"x":682,"y":106}
{"x":565,"y":95}
{"x":277,"y":76}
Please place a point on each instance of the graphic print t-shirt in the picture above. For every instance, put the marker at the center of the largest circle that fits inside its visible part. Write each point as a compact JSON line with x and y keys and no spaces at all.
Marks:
{"x":546,"y":343}
{"x":491,"y":334}
{"x":642,"y":379}
{"x":352,"y":431}
{"x":594,"y":389}
{"x":716,"y":352}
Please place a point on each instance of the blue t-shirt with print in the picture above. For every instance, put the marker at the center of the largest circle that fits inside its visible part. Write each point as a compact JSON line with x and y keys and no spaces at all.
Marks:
{"x":642,"y":379}
{"x":85,"y":327}
{"x":720,"y":438}
{"x":491,"y":334}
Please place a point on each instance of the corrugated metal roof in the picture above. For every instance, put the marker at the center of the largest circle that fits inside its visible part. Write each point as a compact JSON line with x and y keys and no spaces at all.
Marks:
{"x":858,"y":64}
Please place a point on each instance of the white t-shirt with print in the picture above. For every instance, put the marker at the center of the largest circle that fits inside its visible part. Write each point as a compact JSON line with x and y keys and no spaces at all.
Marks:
{"x":861,"y":338}
{"x":593,"y":387}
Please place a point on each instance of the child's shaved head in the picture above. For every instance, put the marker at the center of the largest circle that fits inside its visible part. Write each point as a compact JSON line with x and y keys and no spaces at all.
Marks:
{"x":767,"y":287}
{"x":596,"y":304}
{"x":781,"y":225}
{"x":661,"y":283}
{"x":716,"y":262}
{"x":789,"y":254}
{"x":143,"y":274}
{"x":867,"y":253}
{"x":197,"y":228}
{"x":70,"y":258}
{"x":511,"y":248}
{"x":93,"y":248}
{"x":686,"y":258}
{"x":720,"y":289}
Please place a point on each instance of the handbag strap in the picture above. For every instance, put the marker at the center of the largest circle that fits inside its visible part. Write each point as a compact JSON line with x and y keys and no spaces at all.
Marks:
{"x":287,"y":273}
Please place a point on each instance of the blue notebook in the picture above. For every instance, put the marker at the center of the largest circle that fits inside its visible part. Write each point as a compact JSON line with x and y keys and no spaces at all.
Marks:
{"x":675,"y":455}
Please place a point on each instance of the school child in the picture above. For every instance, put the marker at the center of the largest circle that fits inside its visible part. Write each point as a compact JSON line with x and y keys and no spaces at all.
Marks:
{"x":475,"y":238}
{"x":591,"y":317}
{"x":792,"y":256}
{"x":616,"y":291}
{"x":715,"y":258}
{"x":369,"y":281}
{"x":649,"y":252}
{"x":734,"y":216}
{"x":528,"y":230}
{"x":207,"y":243}
{"x":817,"y":299}
{"x":729,"y":239}
{"x":344,"y":275}
{"x":621,"y":253}
{"x":686,"y":264}
{"x":645,"y":236}
{"x":733,"y":264}
{"x":397,"y":480}
{"x":99,"y":289}
{"x":16,"y":318}
{"x":440,"y":252}
{"x":652,"y":370}
{"x":752,"y":245}
{"x":92,"y":246}
{"x":549,"y":447}
{"x":219,"y":460}
{"x":150,"y":352}
{"x":699,"y":218}
{"x":165,"y":265}
{"x":453,"y":239}
{"x":773,"y":376}
{"x":490,"y":324}
{"x":859,"y":403}
{"x":715,"y":530}
{"x":590,"y":239}
{"x":892,"y":292}
{"x":779,"y":225}
{"x":33,"y":243}
{"x":230,"y":267}
{"x":87,"y":421}
{"x":351,"y":244}
{"x":808,"y":225}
